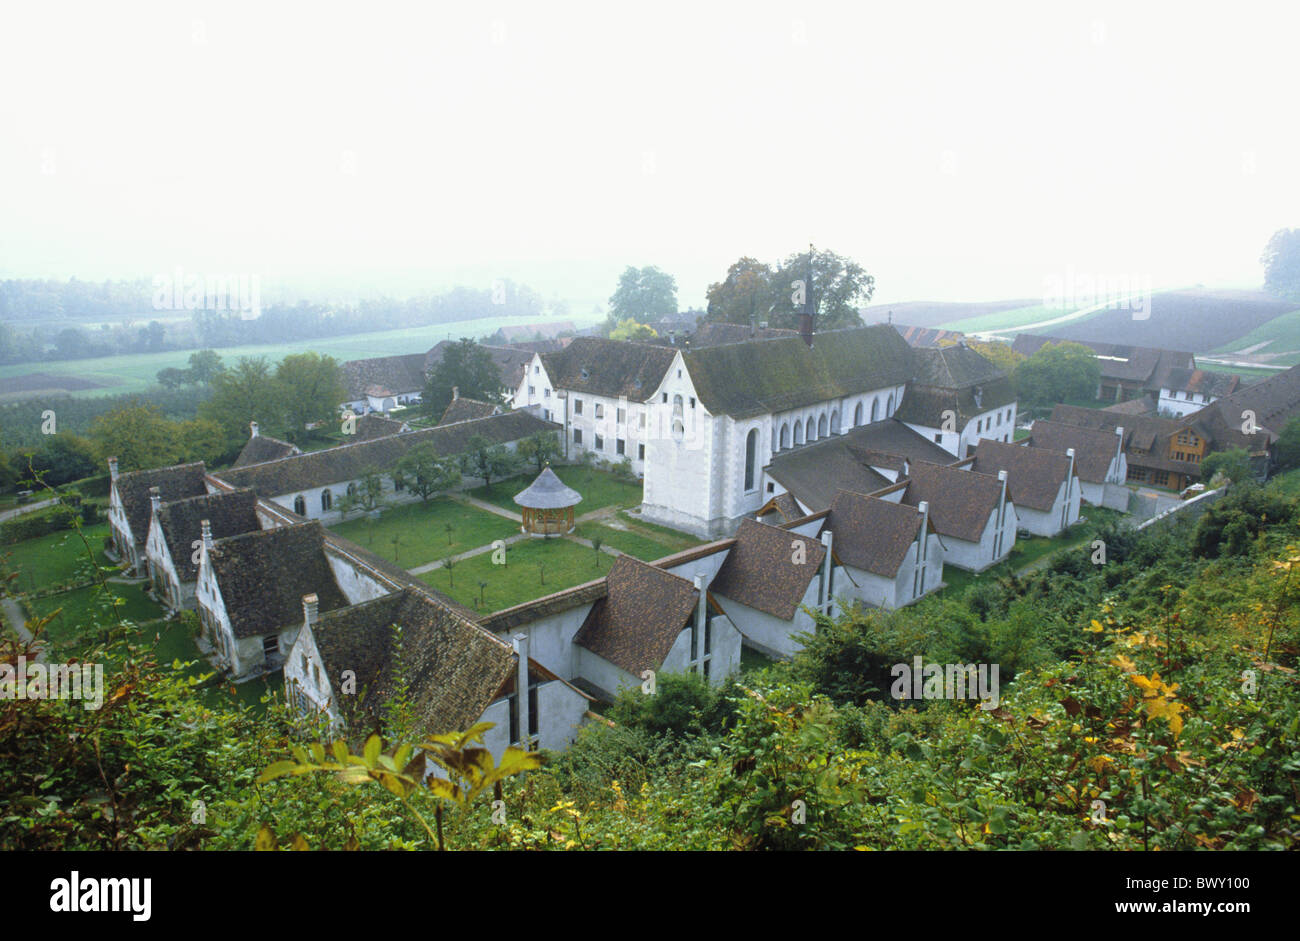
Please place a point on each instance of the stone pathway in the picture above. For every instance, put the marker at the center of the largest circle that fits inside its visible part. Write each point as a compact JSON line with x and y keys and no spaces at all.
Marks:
{"x":485,"y":506}
{"x":29,"y":508}
{"x":467,"y":554}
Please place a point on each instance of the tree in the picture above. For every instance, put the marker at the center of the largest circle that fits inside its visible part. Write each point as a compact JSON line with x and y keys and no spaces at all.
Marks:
{"x":201,"y":439}
{"x":631,"y":330}
{"x":138,"y":436}
{"x":466,"y":366}
{"x":747,"y":294}
{"x":311,"y":386}
{"x":1234,"y":464}
{"x":539,"y":448}
{"x":489,"y":461}
{"x":248,"y":392}
{"x":643,"y":294}
{"x":425,"y":472}
{"x":1281,"y":261}
{"x":1288,"y":445}
{"x":173,"y":378}
{"x":1056,"y":373}
{"x":205,"y":366}
{"x":999,"y":354}
{"x":839,"y":285}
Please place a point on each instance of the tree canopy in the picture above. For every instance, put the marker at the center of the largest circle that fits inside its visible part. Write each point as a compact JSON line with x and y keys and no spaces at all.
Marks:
{"x":466,"y":366}
{"x":755,"y":292}
{"x":1058,"y":373}
{"x":643,"y":294}
{"x":1281,"y":261}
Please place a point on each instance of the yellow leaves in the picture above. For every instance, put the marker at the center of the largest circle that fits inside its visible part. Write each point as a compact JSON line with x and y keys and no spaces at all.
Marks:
{"x":1125,"y":664}
{"x":1159,"y":700}
{"x":1095,"y":627}
{"x":1100,"y":763}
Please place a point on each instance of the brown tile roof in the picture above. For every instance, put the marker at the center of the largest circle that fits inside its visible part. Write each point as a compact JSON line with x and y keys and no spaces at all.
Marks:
{"x":175,"y":483}
{"x":1034,"y":475}
{"x":352,"y":461}
{"x":786,"y":507}
{"x":527,"y":612}
{"x":763,"y":376}
{"x":262,"y":448}
{"x":1094,"y":449}
{"x":1146,"y":437}
{"x":1144,"y":405}
{"x":230,"y":513}
{"x":465,"y":408}
{"x":528,"y":331}
{"x":373,"y":425}
{"x":961,"y":501}
{"x":263,"y":576}
{"x":1121,"y":362}
{"x":454,"y":668}
{"x":383,"y":375}
{"x":644,"y":610}
{"x":1275,"y":401}
{"x":928,"y":336}
{"x":760,"y":571}
{"x":610,"y":368}
{"x":716,"y":334}
{"x":1211,"y":384}
{"x":871,"y":534}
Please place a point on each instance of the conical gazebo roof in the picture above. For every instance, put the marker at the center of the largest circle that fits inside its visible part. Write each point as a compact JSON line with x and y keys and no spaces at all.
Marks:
{"x":547,"y":492}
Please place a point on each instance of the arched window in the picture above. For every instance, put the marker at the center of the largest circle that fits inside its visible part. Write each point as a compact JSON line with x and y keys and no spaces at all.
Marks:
{"x":751,"y":456}
{"x":677,"y":406}
{"x":857,"y":415}
{"x":810,"y":430}
{"x":821,"y":426}
{"x":798,"y":433}
{"x":326,"y":500}
{"x":300,"y":505}
{"x":774,"y":448}
{"x":875,"y":410}
{"x":785,"y":435}
{"x":679,"y":430}
{"x":889,"y":406}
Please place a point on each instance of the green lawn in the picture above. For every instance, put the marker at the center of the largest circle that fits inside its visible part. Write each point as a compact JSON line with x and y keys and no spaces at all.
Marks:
{"x":53,"y":559}
{"x":136,"y":372}
{"x":599,"y":489}
{"x":82,"y":607}
{"x":534,"y":567}
{"x":421,"y":529}
{"x":645,"y":541}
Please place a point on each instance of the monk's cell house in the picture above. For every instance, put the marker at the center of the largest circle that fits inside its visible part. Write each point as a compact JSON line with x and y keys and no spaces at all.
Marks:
{"x":548,"y":505}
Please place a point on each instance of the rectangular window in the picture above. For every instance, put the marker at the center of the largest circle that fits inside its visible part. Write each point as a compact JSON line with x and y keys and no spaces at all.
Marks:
{"x":532,"y":390}
{"x":692,"y":401}
{"x":938,"y":438}
{"x":665,"y":398}
{"x":532,"y":711}
{"x":641,"y":420}
{"x":536,"y":370}
{"x":577,"y":406}
{"x":577,"y":436}
{"x":640,"y":452}
{"x":619,"y":446}
{"x":600,"y":410}
{"x":546,"y":393}
{"x":600,"y":443}
{"x":621,"y":416}
{"x":514,"y":717}
{"x":271,"y":644}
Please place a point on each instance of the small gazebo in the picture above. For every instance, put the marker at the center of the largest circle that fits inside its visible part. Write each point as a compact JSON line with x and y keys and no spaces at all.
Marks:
{"x":548,"y":505}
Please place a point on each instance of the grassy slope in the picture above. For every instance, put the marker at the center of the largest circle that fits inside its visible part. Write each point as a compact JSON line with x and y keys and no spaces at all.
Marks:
{"x":1282,"y":334}
{"x":1003,"y":320}
{"x":137,"y":371}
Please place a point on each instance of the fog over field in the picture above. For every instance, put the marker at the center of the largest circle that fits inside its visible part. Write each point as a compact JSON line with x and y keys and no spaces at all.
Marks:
{"x":957,"y":152}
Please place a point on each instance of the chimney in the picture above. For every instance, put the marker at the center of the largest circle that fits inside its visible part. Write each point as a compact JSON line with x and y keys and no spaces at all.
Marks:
{"x":155,"y":500}
{"x":112,"y":468}
{"x":1119,"y":445}
{"x":1002,"y":514}
{"x":828,"y":542}
{"x":701,"y":609}
{"x":310,"y":609}
{"x":520,"y":643}
{"x":1069,"y":476}
{"x":252,"y":429}
{"x":455,"y":393}
{"x":923,"y":546}
{"x":206,"y":526}
{"x":907,"y":467}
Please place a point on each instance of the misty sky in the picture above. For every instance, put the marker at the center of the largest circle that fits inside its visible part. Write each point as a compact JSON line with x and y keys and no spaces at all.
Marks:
{"x":958,"y":151}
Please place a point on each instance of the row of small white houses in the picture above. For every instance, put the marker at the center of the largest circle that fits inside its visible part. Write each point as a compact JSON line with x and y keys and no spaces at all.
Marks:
{"x":273,"y":590}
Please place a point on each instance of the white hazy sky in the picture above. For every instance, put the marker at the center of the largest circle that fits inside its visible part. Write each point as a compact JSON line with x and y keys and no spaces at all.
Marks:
{"x":959,"y":151}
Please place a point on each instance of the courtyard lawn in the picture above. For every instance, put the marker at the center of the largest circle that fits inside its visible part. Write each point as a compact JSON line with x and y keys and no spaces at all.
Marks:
{"x":54,"y":559}
{"x":644,"y":541}
{"x":534,"y":567}
{"x":421,"y":531}
{"x":599,"y":489}
{"x":82,"y":607}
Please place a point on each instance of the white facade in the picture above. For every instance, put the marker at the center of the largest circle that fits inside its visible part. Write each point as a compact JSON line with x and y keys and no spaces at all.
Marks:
{"x":997,"y":424}
{"x":168,"y":587}
{"x":995,"y":542}
{"x":1063,"y":514}
{"x":1179,"y":402}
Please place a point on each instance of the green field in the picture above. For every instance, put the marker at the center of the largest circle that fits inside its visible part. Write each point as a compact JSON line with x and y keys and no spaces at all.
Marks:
{"x":421,"y":530}
{"x":53,"y":559}
{"x":644,"y":541}
{"x":534,"y":567}
{"x":85,"y":606}
{"x":1006,"y":319}
{"x":1281,"y":336}
{"x":598,"y":489}
{"x":138,"y":371}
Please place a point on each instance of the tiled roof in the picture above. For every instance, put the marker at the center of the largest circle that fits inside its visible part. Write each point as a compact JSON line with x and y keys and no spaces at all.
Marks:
{"x":547,"y":492}
{"x":761,"y":572}
{"x":263,"y":576}
{"x":1094,"y":449}
{"x":1200,"y":381}
{"x":1145,"y":405}
{"x":1034,"y":475}
{"x":644,"y":610}
{"x":961,"y":501}
{"x":785,"y":505}
{"x":454,"y":668}
{"x":610,"y":368}
{"x":1118,"y":362}
{"x":954,"y":367}
{"x":925,"y":405}
{"x":716,"y":334}
{"x":871,"y":534}
{"x":373,"y":425}
{"x":528,"y":331}
{"x":230,"y":513}
{"x":174,"y":483}
{"x":814,"y":472}
{"x":383,"y":375}
{"x":510,"y":361}
{"x":1275,"y":401}
{"x":928,"y":336}
{"x":465,"y":408}
{"x":353,"y":461}
{"x":763,"y":376}
{"x":1146,"y":437}
{"x":262,"y":448}
{"x":538,"y":608}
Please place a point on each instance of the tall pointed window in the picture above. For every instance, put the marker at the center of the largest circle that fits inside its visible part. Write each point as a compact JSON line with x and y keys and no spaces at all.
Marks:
{"x":751,"y":449}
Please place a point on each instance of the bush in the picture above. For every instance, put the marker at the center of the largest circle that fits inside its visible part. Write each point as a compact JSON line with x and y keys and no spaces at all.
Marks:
{"x":32,"y":525}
